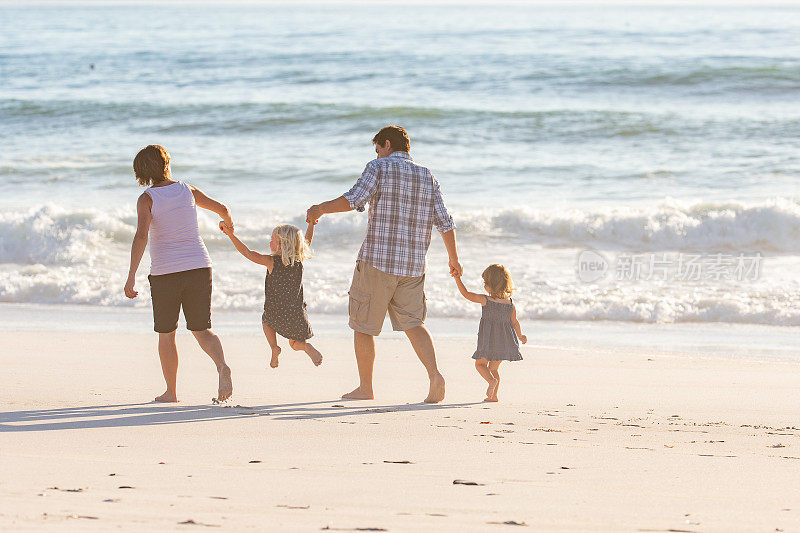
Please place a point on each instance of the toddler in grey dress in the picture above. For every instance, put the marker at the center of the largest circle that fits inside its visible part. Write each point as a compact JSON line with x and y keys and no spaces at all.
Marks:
{"x":499,"y":333}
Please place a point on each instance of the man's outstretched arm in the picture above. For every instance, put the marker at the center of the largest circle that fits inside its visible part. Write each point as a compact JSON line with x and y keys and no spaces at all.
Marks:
{"x":356,"y":198}
{"x":337,"y":205}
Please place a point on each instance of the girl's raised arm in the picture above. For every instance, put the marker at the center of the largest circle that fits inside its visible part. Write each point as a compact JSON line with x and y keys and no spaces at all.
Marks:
{"x":309,"y":233}
{"x":471,"y":296}
{"x":514,"y":322}
{"x":253,"y":256}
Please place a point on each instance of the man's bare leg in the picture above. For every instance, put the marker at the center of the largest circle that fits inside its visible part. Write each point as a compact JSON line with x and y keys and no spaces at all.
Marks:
{"x":168,"y":353}
{"x":423,"y":345}
{"x":211,"y":344}
{"x":482,"y":366}
{"x":365,"y":358}
{"x":494,"y":368}
{"x":305,"y":346}
{"x":272,"y":339}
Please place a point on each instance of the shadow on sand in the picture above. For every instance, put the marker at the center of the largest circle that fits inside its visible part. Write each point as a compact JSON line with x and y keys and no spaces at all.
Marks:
{"x":152,"y":414}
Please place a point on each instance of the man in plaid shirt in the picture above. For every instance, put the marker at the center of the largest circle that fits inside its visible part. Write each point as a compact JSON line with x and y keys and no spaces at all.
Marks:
{"x":404,"y":204}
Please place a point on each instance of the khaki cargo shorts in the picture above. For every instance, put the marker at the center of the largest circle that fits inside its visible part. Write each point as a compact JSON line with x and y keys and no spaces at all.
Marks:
{"x":373,"y":292}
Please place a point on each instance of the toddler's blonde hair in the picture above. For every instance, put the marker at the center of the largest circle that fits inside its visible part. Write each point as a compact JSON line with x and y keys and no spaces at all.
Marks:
{"x":498,"y":281}
{"x":294,"y":247}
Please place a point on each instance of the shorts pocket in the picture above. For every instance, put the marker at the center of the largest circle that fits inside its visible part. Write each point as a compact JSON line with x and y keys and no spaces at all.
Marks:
{"x":358,"y":305}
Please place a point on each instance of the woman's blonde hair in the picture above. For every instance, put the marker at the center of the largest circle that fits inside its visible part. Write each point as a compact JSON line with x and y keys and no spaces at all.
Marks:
{"x":294,"y":247}
{"x":498,"y":281}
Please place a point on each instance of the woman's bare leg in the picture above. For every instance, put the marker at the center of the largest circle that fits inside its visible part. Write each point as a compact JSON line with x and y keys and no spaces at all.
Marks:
{"x":305,"y":346}
{"x":211,"y":344}
{"x":494,"y":368}
{"x":482,"y":366}
{"x":272,"y":339}
{"x":168,"y":353}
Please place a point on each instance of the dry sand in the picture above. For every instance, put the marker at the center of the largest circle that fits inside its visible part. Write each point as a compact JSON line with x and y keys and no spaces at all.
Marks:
{"x":581,"y":441}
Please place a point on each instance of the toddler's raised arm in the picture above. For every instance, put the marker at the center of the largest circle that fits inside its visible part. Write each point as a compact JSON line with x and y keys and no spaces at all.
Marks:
{"x":253,"y":256}
{"x":471,"y":296}
{"x":310,"y":233}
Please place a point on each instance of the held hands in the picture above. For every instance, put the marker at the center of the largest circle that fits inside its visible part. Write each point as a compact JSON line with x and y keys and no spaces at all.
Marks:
{"x":456,"y":270}
{"x":523,"y":339}
{"x":313,"y":214}
{"x":225,"y":228}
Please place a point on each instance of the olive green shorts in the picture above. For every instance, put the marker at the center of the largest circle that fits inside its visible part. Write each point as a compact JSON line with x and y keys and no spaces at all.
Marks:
{"x":374,"y":292}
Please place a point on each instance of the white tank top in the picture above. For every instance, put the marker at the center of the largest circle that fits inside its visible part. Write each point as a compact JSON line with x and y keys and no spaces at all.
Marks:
{"x":175,"y":243}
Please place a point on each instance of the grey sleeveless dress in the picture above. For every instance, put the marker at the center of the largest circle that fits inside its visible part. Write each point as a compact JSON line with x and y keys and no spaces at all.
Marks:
{"x":284,"y":305}
{"x":497,"y":340}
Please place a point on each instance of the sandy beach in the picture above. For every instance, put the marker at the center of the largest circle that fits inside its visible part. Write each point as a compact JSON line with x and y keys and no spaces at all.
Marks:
{"x":582,"y":440}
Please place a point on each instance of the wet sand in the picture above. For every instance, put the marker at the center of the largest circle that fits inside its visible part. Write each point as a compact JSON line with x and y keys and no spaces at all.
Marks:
{"x":582,"y":440}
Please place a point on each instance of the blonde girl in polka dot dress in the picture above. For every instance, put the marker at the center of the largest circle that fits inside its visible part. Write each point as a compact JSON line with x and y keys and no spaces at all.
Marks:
{"x":284,"y":306}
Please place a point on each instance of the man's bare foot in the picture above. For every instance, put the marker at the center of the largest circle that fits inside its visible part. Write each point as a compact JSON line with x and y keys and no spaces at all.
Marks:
{"x":225,"y":384}
{"x":314,"y":354}
{"x":359,"y":394}
{"x":276,"y":351}
{"x":491,"y":399}
{"x":167,"y":397}
{"x":436,"y":392}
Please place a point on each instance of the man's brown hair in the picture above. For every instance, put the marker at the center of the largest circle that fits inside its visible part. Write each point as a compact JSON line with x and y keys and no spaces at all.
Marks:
{"x":396,"y":135}
{"x":151,"y":165}
{"x":498,"y":281}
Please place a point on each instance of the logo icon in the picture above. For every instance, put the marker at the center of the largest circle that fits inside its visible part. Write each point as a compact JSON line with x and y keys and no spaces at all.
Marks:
{"x":591,"y":266}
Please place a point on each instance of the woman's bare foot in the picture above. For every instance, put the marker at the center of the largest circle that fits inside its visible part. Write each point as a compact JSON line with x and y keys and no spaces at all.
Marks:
{"x":314,"y":354}
{"x":436,"y":392}
{"x":276,"y":351}
{"x":359,"y":394}
{"x":167,"y":397}
{"x":225,"y":384}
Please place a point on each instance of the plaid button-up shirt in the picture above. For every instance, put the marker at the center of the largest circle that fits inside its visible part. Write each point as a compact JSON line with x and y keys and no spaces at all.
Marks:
{"x":404,"y":204}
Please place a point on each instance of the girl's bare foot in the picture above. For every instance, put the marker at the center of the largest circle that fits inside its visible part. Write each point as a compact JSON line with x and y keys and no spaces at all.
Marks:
{"x":167,"y":397}
{"x":276,"y":351}
{"x":307,"y":347}
{"x":491,"y":390}
{"x":314,"y":354}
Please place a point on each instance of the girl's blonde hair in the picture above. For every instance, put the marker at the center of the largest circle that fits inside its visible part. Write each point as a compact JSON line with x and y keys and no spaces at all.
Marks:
{"x":294,"y":247}
{"x":498,"y":281}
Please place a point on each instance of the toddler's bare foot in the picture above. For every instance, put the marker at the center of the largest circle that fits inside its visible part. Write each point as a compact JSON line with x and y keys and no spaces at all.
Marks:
{"x":359,"y":394}
{"x":276,"y":351}
{"x":167,"y":397}
{"x":225,"y":384}
{"x":436,"y":391}
{"x":314,"y":354}
{"x":492,"y":390}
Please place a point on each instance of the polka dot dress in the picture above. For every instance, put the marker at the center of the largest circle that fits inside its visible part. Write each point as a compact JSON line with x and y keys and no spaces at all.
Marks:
{"x":284,"y":306}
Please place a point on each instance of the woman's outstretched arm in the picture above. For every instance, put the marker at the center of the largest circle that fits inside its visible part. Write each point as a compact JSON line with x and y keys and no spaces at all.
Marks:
{"x":206,"y":202}
{"x":471,"y":296}
{"x":143,"y":218}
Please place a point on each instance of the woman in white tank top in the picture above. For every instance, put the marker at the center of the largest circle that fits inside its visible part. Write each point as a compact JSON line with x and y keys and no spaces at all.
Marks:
{"x":180,"y":268}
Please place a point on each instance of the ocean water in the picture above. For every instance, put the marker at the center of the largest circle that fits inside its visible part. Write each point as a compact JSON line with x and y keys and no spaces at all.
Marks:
{"x":655,"y":136}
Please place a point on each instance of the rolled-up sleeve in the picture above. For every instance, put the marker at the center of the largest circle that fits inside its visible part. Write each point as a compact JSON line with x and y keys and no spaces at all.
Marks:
{"x":364,"y":189}
{"x":441,"y":217}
